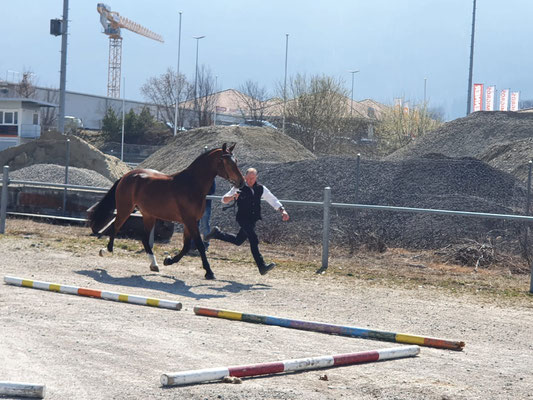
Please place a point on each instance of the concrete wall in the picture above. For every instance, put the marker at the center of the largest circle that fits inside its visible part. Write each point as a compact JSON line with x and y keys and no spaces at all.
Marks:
{"x":90,"y":108}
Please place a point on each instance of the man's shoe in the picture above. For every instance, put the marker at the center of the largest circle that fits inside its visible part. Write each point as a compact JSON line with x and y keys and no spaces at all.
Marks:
{"x":214,"y":232}
{"x":266,"y":267}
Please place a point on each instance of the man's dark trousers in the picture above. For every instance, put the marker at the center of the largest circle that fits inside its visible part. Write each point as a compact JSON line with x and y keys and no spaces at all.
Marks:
{"x":247,"y":231}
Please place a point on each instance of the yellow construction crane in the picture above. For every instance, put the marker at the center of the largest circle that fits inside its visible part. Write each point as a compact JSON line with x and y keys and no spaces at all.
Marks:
{"x":112,"y":23}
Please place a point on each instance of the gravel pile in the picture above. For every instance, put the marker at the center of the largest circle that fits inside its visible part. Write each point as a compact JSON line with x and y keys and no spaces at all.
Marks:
{"x":437,"y":183}
{"x":503,"y":139}
{"x":53,"y":173}
{"x":252,"y":145}
{"x":419,"y":176}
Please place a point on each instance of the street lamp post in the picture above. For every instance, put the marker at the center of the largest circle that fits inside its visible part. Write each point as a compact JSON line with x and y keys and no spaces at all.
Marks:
{"x":177,"y":81}
{"x":285,"y":83}
{"x":63,"y":70}
{"x":215,"y":101}
{"x":425,"y":87}
{"x":471,"y":68}
{"x":353,"y":72}
{"x":196,"y":78}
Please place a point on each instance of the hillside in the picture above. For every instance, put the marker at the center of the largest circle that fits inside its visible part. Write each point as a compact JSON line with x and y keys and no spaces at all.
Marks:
{"x":502,"y":139}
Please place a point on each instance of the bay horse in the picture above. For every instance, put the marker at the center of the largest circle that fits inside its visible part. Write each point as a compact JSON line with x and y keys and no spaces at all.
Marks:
{"x":179,"y":197}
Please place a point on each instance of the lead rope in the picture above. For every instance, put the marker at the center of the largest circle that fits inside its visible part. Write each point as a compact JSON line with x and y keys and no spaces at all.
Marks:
{"x":232,"y":205}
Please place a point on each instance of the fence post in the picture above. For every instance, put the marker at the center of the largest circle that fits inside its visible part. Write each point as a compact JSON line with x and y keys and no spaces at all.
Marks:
{"x":3,"y":207}
{"x":526,"y":244}
{"x":325,"y":232}
{"x":67,"y":162}
{"x":357,"y":175}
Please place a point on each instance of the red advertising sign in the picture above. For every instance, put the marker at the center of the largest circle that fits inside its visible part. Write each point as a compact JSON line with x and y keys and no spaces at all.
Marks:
{"x":478,"y":97}
{"x":504,"y":99}
{"x":489,"y":98}
{"x":514,"y":100}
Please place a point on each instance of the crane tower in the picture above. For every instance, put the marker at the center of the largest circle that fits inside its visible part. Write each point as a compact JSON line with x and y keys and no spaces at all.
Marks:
{"x":112,"y":22}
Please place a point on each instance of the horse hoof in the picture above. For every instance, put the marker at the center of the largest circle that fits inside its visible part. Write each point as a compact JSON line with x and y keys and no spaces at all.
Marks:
{"x":154,"y":268}
{"x":167,"y":260}
{"x":102,"y":252}
{"x":210,"y":276}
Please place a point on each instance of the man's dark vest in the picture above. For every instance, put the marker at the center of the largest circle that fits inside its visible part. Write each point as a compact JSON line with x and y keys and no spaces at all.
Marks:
{"x":249,"y":204}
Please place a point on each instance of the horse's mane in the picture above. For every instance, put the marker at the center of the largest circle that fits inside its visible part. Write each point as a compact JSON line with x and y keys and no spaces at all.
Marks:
{"x":201,"y":158}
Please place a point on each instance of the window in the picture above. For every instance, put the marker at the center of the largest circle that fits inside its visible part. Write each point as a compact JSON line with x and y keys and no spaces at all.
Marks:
{"x":9,"y":117}
{"x":35,"y":119}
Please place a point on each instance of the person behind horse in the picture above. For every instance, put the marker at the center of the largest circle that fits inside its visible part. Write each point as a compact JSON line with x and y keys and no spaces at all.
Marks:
{"x":248,"y":200}
{"x":203,"y":224}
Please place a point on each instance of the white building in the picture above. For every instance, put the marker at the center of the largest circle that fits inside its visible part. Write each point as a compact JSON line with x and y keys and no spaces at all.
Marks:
{"x":20,"y":120}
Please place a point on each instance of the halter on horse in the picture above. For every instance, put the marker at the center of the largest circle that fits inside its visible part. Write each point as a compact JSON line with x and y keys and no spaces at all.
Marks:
{"x":179,"y":197}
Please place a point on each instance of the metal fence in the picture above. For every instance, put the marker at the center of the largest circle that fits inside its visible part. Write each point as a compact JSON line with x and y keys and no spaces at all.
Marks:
{"x":326,"y":204}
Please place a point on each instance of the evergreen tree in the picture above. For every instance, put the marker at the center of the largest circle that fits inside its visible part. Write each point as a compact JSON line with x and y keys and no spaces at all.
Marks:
{"x":111,"y":126}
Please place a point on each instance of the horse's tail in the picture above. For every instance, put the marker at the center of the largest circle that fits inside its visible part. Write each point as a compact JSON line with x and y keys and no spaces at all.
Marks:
{"x":101,"y":214}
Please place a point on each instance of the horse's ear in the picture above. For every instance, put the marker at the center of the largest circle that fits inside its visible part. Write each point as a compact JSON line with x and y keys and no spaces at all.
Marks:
{"x":232,"y":147}
{"x":224,"y":148}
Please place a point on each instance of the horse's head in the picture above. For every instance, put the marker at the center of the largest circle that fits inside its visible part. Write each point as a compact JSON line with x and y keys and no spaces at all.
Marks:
{"x":227,"y":167}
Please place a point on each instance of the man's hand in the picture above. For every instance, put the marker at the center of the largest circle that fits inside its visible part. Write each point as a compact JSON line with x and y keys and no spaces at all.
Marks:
{"x":284,"y":214}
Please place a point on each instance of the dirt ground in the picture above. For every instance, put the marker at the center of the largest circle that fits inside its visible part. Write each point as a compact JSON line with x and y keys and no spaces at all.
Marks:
{"x":83,"y":348}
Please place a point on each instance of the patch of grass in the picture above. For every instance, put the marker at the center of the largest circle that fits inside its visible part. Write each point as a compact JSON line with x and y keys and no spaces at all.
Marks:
{"x":396,"y":268}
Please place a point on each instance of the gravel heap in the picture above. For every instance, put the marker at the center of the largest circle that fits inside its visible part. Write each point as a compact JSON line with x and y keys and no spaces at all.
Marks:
{"x":432,"y":181}
{"x":437,"y":183}
{"x":253,"y":144}
{"x":53,"y":173}
{"x":51,"y":147}
{"x":503,"y":139}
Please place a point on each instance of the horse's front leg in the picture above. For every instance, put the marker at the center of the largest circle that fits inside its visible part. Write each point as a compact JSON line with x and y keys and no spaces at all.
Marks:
{"x":192,"y":227}
{"x":201,"y":248}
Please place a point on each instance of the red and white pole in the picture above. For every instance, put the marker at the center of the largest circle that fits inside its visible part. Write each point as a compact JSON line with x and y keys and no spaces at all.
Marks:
{"x":212,"y":374}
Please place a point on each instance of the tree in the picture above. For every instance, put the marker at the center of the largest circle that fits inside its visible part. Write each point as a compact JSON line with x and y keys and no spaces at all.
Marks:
{"x":131,"y":126}
{"x":401,"y":124}
{"x":164,"y":91}
{"x":26,"y":87}
{"x":49,"y":114}
{"x":204,"y":104}
{"x":112,"y":126}
{"x":317,"y":111}
{"x":253,"y":97}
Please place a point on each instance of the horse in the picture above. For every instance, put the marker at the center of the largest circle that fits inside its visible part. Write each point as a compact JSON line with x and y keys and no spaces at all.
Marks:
{"x":179,"y":197}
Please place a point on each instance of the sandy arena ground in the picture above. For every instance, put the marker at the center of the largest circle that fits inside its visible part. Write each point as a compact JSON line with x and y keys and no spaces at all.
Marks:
{"x":83,"y":348}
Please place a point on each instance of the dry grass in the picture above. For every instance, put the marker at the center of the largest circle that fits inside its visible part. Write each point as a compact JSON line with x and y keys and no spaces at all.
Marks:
{"x":394,"y":268}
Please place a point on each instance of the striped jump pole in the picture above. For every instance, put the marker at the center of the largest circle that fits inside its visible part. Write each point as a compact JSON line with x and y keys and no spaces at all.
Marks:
{"x":332,"y":329}
{"x":100,"y":294}
{"x":20,"y":389}
{"x":301,"y":364}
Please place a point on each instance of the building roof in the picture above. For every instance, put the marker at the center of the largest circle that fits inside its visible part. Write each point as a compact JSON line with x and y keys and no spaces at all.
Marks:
{"x":28,"y":101}
{"x":233,"y":102}
{"x":229,"y":101}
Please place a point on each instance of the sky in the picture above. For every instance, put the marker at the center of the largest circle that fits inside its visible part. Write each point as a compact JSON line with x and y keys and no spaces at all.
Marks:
{"x":398,"y":46}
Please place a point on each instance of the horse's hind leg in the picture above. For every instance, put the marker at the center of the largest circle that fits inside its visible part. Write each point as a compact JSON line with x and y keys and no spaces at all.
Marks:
{"x":149,"y":223}
{"x":185,"y":249}
{"x":120,"y":219}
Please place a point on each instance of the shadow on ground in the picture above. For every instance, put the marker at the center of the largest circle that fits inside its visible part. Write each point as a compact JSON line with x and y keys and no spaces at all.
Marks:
{"x":173,"y":286}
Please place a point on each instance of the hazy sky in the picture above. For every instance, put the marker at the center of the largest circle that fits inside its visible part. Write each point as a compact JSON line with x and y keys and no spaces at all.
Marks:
{"x":394,"y":43}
